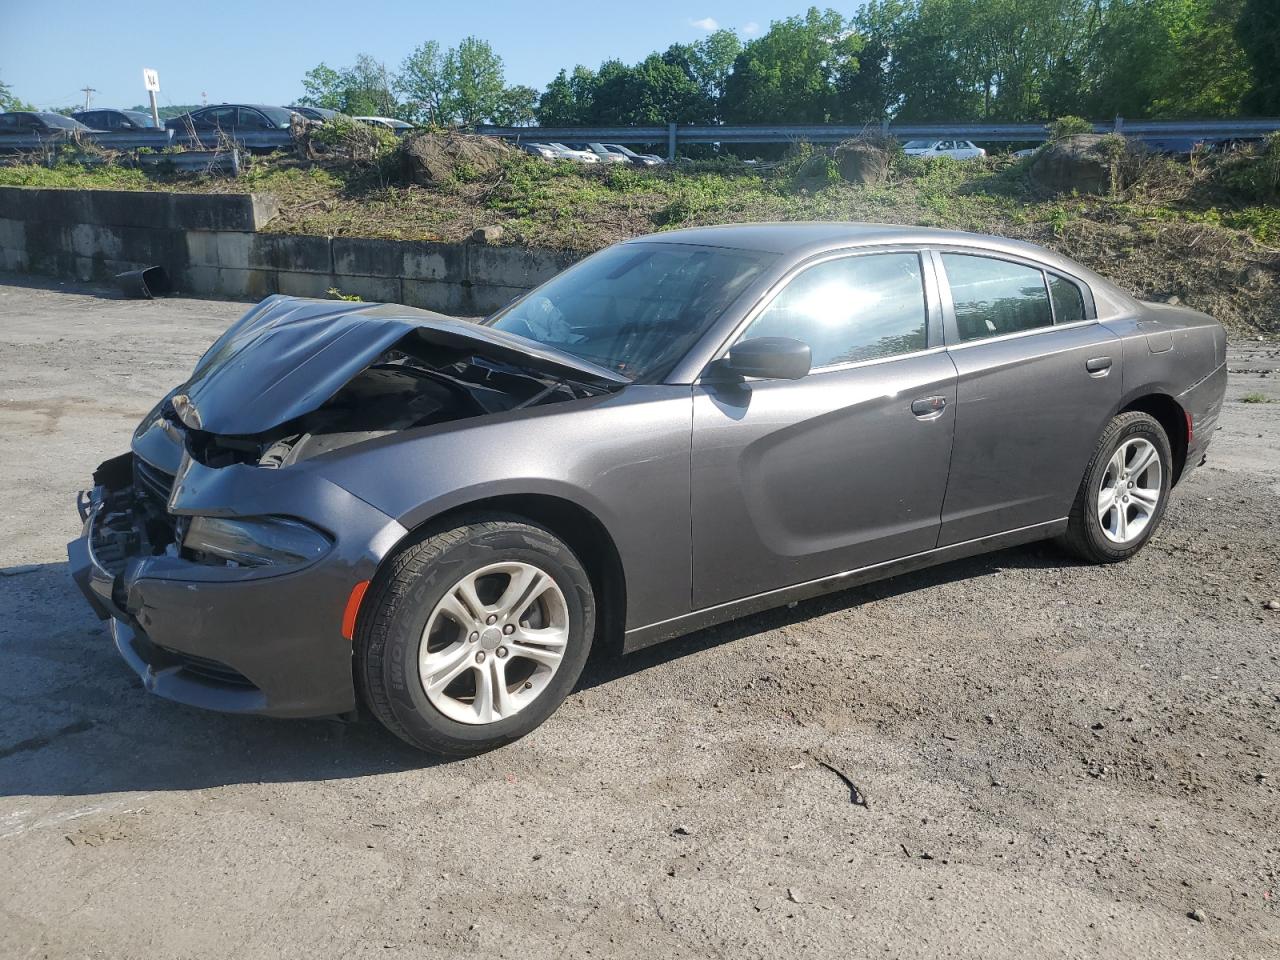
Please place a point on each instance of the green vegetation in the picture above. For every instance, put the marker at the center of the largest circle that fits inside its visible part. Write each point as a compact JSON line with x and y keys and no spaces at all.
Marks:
{"x":1205,"y":233}
{"x":1255,"y":397}
{"x":915,"y":60}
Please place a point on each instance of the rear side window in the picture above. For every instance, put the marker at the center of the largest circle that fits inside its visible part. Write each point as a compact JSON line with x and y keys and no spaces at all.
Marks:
{"x":854,"y":308}
{"x":1068,"y":303}
{"x":995,"y":297}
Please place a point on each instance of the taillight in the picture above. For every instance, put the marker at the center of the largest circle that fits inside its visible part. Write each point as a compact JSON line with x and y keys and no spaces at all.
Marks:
{"x":1190,"y":431}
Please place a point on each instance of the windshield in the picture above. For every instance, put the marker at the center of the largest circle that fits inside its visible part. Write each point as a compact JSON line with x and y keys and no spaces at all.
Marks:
{"x":277,"y":115}
{"x":64,"y":123}
{"x":141,"y":119}
{"x":635,"y":308}
{"x":918,"y":144}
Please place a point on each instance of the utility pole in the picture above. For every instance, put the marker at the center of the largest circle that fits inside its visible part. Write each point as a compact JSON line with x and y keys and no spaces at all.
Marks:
{"x":87,"y":91}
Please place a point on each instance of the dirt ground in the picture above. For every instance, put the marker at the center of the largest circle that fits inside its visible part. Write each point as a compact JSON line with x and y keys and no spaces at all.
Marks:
{"x":1057,"y":760}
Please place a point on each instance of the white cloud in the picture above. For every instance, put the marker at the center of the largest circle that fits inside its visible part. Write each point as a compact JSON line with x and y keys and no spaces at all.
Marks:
{"x":751,"y":28}
{"x":706,"y":23}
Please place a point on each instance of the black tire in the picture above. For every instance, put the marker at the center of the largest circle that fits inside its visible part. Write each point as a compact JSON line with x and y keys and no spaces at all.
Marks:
{"x":1084,"y":536}
{"x":402,"y":597}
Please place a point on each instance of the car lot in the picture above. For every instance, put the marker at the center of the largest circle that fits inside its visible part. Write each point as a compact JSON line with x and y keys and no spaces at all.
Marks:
{"x":1057,"y":760}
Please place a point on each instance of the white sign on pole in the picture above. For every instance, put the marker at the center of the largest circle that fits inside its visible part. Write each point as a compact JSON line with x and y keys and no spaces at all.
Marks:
{"x":151,"y":80}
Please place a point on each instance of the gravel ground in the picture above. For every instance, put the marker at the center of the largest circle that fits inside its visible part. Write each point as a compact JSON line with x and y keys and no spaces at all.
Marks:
{"x":1056,"y":760}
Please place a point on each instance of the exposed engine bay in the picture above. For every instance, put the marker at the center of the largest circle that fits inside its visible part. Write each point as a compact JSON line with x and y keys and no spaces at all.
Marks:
{"x":412,"y":385}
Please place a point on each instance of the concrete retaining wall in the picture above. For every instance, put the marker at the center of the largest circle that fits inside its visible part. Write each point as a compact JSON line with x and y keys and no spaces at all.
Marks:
{"x":212,"y":244}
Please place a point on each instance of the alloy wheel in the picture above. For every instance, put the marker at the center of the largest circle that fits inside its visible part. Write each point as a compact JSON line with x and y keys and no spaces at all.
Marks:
{"x":1130,"y":490}
{"x":493,"y":642}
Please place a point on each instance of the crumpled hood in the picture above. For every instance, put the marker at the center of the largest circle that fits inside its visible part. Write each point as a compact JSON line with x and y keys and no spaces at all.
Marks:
{"x":288,"y":355}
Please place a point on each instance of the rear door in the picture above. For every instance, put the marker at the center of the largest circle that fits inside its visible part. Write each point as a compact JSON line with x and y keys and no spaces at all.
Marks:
{"x":796,"y":480}
{"x":1038,"y":379}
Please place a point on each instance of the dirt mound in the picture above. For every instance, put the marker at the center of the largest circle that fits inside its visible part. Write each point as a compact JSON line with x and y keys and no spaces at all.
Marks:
{"x":1084,"y":163}
{"x":862,"y":161}
{"x":433,"y":158}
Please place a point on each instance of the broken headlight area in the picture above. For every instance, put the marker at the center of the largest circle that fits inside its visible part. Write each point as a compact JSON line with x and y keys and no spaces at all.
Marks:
{"x":252,"y":541}
{"x":133,"y":518}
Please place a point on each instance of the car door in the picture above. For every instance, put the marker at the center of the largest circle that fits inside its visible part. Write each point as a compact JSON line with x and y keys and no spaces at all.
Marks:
{"x":1038,"y":379}
{"x":795,"y":480}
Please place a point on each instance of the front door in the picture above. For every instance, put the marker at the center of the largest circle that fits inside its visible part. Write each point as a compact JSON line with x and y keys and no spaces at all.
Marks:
{"x":795,"y":480}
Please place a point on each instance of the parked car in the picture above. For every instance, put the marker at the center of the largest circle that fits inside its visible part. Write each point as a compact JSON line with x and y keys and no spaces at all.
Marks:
{"x":564,"y":152}
{"x":362,"y":502}
{"x":1027,"y":152}
{"x":638,"y":159}
{"x":40,"y":122}
{"x":232,"y":118}
{"x":105,"y":119}
{"x":543,"y":150}
{"x":558,"y":151}
{"x":320,"y":114}
{"x":598,"y":150}
{"x":398,"y":127}
{"x":956,"y":149}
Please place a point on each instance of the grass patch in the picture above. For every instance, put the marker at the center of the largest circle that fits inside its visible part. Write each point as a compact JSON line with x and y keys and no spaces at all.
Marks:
{"x":1204,"y":239}
{"x":1255,"y":397}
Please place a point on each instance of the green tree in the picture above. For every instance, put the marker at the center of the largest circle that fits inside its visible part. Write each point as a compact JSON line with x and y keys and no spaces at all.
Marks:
{"x":362,"y":89}
{"x":517,"y":107}
{"x":1168,"y":58}
{"x":569,"y":99}
{"x":10,"y":102}
{"x":791,"y":73}
{"x":474,"y":76}
{"x":323,"y":88}
{"x":422,"y":81}
{"x":1258,"y":33}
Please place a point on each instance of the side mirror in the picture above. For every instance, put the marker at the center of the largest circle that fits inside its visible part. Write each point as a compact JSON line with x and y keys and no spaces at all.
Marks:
{"x":772,"y":358}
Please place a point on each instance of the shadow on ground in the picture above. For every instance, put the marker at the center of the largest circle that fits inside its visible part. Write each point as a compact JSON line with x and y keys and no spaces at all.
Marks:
{"x":77,"y":721}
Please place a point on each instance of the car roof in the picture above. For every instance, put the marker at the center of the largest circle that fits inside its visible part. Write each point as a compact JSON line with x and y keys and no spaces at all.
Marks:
{"x":798,"y":241}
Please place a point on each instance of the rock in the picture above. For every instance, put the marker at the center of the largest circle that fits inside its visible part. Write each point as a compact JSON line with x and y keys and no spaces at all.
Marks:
{"x":1271,"y":605}
{"x":1084,"y":163}
{"x":486,"y":234}
{"x":682,"y":830}
{"x":794,"y":895}
{"x":1197,"y":915}
{"x":862,"y":161}
{"x":433,"y":158}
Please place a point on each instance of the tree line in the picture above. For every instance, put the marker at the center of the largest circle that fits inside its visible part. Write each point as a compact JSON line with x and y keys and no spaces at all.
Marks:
{"x":912,"y":60}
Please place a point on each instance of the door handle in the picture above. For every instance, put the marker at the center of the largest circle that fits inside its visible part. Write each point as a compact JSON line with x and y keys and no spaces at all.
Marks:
{"x":928,"y":408}
{"x":1098,"y":366}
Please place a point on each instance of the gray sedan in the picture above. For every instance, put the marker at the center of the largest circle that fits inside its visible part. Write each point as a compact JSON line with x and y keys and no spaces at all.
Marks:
{"x":354,"y":503}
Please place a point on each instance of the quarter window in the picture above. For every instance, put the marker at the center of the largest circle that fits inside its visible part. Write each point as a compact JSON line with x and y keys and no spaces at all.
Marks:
{"x":854,"y":308}
{"x":996,"y":297}
{"x":1068,"y":304}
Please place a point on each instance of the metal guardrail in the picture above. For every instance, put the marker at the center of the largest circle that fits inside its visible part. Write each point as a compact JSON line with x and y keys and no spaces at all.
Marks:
{"x":675,"y":134}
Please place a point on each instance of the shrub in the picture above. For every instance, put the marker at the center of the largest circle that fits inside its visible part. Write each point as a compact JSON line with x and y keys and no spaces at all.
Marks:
{"x":1068,"y":127}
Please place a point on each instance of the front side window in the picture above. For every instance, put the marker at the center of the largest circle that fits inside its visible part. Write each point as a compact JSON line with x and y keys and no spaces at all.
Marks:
{"x":996,"y":297}
{"x":855,"y":308}
{"x":635,"y":308}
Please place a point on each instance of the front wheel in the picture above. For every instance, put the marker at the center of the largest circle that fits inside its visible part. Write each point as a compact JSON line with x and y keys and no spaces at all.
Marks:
{"x":475,"y":635}
{"x":1122,"y":497}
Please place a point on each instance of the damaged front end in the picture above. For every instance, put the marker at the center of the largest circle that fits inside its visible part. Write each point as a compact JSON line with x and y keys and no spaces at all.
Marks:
{"x":223,"y":562}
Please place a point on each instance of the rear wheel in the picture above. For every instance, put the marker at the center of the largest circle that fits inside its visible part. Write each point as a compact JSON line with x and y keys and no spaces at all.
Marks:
{"x":1122,"y":497}
{"x":475,"y":635}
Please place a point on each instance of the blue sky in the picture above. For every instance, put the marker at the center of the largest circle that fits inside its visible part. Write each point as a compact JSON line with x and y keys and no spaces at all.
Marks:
{"x":238,"y":50}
